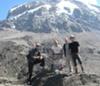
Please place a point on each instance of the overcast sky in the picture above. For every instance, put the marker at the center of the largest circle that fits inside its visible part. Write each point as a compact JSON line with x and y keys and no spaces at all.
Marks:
{"x":5,"y":5}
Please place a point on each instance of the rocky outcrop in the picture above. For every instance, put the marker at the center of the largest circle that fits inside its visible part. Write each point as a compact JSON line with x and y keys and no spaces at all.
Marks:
{"x":11,"y":59}
{"x":63,"y":80}
{"x":45,"y":78}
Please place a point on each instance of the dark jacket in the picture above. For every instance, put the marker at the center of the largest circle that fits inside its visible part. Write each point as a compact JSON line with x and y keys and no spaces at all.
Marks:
{"x":33,"y":52}
{"x":74,"y":47}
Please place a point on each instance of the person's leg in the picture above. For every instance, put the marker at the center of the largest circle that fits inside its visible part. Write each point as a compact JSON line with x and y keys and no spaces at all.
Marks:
{"x":30,"y":70}
{"x":74,"y":63}
{"x":80,"y":62}
{"x":75,"y":67}
{"x":68,"y":63}
{"x":71,"y":64}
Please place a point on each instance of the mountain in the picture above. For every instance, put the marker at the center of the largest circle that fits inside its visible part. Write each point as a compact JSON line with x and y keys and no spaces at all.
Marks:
{"x":53,"y":16}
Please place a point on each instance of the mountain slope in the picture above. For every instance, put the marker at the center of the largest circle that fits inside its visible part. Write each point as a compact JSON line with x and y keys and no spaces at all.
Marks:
{"x":54,"y":16}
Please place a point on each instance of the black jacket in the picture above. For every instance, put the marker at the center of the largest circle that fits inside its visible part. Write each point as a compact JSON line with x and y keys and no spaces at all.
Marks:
{"x":33,"y":52}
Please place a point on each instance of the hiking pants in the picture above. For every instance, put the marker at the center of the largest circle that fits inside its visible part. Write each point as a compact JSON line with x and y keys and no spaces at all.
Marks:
{"x":69,"y":62}
{"x":75,"y":58}
{"x":31,"y":64}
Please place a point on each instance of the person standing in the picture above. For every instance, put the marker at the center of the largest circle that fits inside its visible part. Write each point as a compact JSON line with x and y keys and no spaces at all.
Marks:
{"x":74,"y":49}
{"x":56,"y":53}
{"x":66,"y":53}
{"x":56,"y":47}
{"x":34,"y":57}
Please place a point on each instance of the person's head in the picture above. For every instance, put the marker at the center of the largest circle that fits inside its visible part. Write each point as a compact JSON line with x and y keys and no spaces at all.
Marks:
{"x":56,"y":42}
{"x":66,"y":40}
{"x":33,"y":45}
{"x":72,"y":38}
{"x":38,"y":45}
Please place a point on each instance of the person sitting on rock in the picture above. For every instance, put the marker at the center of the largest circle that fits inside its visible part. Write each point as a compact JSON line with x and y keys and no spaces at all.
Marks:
{"x":74,"y":49}
{"x":34,"y":57}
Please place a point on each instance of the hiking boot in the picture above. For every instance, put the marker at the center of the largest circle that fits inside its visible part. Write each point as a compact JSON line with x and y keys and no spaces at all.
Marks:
{"x":29,"y":83}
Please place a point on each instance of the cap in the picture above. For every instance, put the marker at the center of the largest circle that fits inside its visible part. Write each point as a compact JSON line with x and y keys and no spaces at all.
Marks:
{"x":38,"y":44}
{"x":72,"y":36}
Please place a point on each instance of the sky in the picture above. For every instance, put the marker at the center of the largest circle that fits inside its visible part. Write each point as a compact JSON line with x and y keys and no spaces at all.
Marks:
{"x":5,"y":5}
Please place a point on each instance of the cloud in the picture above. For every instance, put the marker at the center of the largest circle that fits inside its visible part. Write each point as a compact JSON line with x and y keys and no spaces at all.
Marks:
{"x":89,"y":1}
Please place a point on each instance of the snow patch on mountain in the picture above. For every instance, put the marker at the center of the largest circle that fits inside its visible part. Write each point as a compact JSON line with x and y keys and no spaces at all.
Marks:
{"x":93,"y":8}
{"x":90,"y":4}
{"x":66,"y":4}
{"x":16,"y":7}
{"x":46,"y":6}
{"x":31,"y":11}
{"x":94,"y":2}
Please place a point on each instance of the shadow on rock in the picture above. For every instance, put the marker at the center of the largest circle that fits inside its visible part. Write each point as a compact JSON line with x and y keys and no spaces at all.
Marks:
{"x":48,"y":78}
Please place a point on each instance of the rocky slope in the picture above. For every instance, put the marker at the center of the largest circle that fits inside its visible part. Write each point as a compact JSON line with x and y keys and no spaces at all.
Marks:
{"x":53,"y":16}
{"x":13,"y":64}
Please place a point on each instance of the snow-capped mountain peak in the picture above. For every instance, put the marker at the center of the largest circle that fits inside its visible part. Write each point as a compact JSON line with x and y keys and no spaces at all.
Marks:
{"x":63,"y":6}
{"x":54,"y":15}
